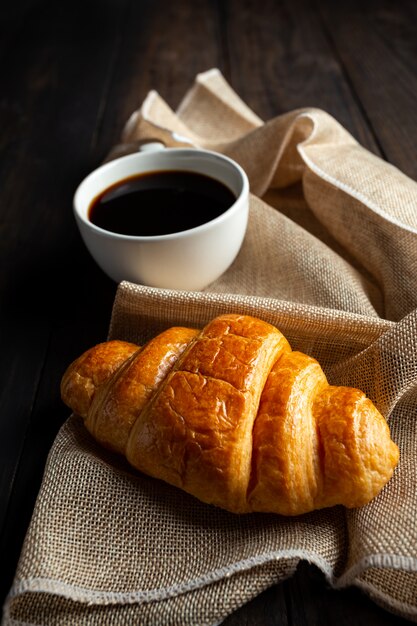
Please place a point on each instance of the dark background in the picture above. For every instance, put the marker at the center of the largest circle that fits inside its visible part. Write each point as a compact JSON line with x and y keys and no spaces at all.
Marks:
{"x":71,"y":74}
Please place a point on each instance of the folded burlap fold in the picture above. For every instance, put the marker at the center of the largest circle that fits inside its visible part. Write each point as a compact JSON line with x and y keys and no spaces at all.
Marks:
{"x":330,"y":257}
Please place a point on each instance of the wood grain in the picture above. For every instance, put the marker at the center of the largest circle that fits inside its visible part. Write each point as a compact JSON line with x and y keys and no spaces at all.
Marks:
{"x":287,"y":62}
{"x":376,"y":42}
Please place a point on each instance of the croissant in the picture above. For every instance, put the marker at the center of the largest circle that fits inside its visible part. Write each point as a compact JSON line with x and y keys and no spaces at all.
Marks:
{"x":232,"y":415}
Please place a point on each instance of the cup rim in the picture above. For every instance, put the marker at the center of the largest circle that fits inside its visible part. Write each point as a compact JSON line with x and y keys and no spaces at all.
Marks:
{"x":153,"y":238}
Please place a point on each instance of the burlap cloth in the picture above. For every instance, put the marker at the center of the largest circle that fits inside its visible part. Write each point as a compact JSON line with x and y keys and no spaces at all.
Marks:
{"x":334,"y":265}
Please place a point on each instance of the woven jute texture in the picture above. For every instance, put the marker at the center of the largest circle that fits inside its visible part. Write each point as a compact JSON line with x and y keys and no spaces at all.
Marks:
{"x":330,"y":257}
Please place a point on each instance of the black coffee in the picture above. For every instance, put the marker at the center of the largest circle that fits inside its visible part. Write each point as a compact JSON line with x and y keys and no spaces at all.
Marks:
{"x":158,"y":203}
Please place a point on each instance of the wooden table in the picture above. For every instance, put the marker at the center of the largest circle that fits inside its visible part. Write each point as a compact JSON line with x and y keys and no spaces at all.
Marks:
{"x":72,"y":73}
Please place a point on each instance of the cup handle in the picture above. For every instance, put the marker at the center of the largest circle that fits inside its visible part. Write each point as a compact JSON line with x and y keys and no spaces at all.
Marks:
{"x":151,"y":145}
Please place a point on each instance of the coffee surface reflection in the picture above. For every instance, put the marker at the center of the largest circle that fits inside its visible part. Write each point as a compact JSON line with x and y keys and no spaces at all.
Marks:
{"x":160,"y":203}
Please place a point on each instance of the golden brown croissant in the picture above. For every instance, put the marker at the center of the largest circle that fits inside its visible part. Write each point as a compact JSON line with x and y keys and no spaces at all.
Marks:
{"x":233,"y":416}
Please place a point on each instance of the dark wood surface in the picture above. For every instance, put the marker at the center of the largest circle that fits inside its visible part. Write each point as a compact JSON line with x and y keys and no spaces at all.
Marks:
{"x":71,"y":74}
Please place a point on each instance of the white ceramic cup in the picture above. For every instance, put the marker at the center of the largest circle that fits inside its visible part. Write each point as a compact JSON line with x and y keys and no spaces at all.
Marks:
{"x":187,"y":260}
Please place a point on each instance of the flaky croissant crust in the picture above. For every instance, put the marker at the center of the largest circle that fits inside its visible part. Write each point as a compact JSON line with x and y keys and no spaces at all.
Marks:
{"x":234,"y":417}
